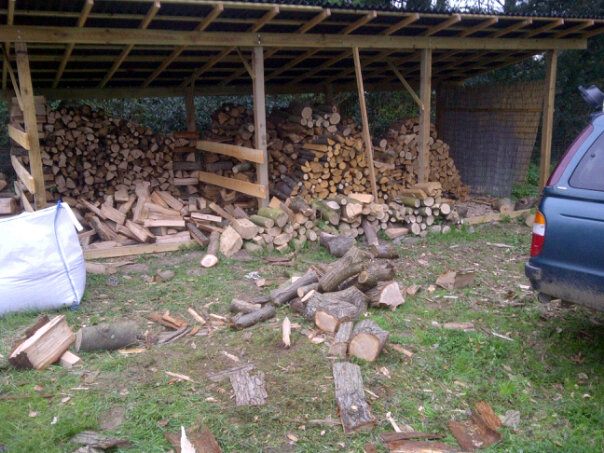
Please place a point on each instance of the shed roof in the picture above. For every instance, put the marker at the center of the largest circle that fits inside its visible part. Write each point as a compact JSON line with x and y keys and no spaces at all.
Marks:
{"x":137,"y":47}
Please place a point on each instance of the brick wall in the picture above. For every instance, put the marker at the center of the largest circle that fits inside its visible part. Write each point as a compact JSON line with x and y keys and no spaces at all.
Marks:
{"x":491,"y":130}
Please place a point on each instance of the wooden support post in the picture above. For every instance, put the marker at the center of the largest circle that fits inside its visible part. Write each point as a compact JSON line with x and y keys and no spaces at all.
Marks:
{"x":190,"y":109}
{"x":31,"y":125}
{"x":365,"y":121}
{"x":425,"y":91}
{"x":260,"y":119}
{"x":548,"y":116}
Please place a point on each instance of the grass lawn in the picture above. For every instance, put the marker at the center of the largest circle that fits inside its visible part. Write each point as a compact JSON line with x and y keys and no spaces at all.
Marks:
{"x":551,"y":370}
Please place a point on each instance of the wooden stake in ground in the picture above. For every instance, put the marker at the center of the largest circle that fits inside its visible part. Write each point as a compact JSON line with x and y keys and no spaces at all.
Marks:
{"x":45,"y":346}
{"x":106,"y":337}
{"x":350,"y":398}
{"x":367,"y":340}
{"x":210,"y":259}
{"x":286,"y":330}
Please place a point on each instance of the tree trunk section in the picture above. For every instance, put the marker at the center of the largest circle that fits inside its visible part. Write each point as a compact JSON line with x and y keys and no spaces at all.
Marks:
{"x":387,"y":251}
{"x":386,"y":294}
{"x":370,"y":233}
{"x":375,"y":272}
{"x":249,"y":390}
{"x":367,"y":341}
{"x":350,"y":398}
{"x":106,"y":337}
{"x":210,"y":259}
{"x":336,"y":245}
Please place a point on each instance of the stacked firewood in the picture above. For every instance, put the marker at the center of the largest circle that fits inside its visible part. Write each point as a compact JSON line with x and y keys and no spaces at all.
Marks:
{"x":186,"y":162}
{"x":86,"y":153}
{"x":402,"y":144}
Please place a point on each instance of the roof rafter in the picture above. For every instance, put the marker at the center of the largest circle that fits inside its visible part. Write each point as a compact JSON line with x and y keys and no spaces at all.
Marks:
{"x":88,"y":4}
{"x":553,"y":24}
{"x":443,"y":25}
{"x":266,"y":18}
{"x":575,"y":29}
{"x":309,"y":53}
{"x":216,"y":11}
{"x":407,"y":21}
{"x":142,"y":26}
{"x":303,"y":29}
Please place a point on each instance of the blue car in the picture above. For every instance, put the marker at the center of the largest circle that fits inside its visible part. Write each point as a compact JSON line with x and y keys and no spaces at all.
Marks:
{"x":567,"y":249}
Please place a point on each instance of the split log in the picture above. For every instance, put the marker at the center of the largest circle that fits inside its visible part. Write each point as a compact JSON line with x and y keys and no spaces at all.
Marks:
{"x":370,"y":233}
{"x":210,"y":259}
{"x":367,"y":340}
{"x":7,"y":205}
{"x":327,"y":213}
{"x":375,"y":272}
{"x":336,"y":245}
{"x":332,"y":312}
{"x":69,"y":360}
{"x":242,"y":306}
{"x":230,"y":242}
{"x":106,"y":337}
{"x":339,"y":347}
{"x":263,"y":222}
{"x":285,"y":293}
{"x":297,"y":204}
{"x":350,"y":398}
{"x":304,"y":290}
{"x":353,"y":262}
{"x":197,"y":235}
{"x":245,"y":227}
{"x":286,"y":330}
{"x":387,"y":251}
{"x":241,"y":321}
{"x":45,"y":346}
{"x":386,"y":294}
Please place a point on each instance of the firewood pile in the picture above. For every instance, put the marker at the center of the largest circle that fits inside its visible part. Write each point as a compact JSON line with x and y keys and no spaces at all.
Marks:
{"x":86,"y":153}
{"x":317,"y":154}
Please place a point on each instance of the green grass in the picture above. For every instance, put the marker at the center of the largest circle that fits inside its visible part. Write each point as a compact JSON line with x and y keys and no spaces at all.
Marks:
{"x":537,"y":373}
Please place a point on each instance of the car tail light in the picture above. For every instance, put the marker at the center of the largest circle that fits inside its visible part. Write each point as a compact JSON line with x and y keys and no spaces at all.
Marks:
{"x":568,"y":155}
{"x":538,"y":234}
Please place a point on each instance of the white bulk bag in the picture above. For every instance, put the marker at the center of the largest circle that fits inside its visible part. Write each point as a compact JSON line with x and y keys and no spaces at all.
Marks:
{"x":41,"y":261}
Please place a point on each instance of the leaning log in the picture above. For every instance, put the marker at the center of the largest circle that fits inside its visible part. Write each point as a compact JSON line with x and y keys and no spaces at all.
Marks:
{"x":353,"y":262}
{"x":285,"y":293}
{"x":210,"y":259}
{"x":241,"y":321}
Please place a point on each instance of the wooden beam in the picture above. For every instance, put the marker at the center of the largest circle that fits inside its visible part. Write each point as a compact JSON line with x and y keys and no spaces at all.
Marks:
{"x":365,"y":121}
{"x":577,"y":28}
{"x":108,"y":36}
{"x":142,"y":26}
{"x":24,"y":176}
{"x":425,"y":92}
{"x":10,"y":16}
{"x":414,"y":17}
{"x":18,"y":135}
{"x":266,"y":18}
{"x":216,"y":11}
{"x":309,"y":53}
{"x":248,"y":188}
{"x":512,"y":28}
{"x":190,"y":111}
{"x":13,"y":78}
{"x":141,"y":249}
{"x":238,"y":152}
{"x":406,"y":85}
{"x":546,"y":28}
{"x":260,"y":138}
{"x":31,"y":124}
{"x":548,"y":116}
{"x":443,"y":25}
{"x":303,"y":29}
{"x":478,"y":27}
{"x":88,"y":4}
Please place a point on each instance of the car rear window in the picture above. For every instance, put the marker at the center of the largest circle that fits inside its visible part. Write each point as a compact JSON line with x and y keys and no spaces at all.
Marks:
{"x":589,"y":173}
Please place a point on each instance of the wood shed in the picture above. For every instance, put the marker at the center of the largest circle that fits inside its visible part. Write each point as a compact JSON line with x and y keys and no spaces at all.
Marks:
{"x":127,"y":48}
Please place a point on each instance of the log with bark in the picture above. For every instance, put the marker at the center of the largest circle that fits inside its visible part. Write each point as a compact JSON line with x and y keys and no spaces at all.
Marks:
{"x":339,"y":347}
{"x":353,"y":262}
{"x":367,"y":340}
{"x":354,"y":411}
{"x":210,"y":259}
{"x":336,"y":245}
{"x":106,"y":337}
{"x":285,"y":293}
{"x":244,"y":320}
{"x":386,"y":294}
